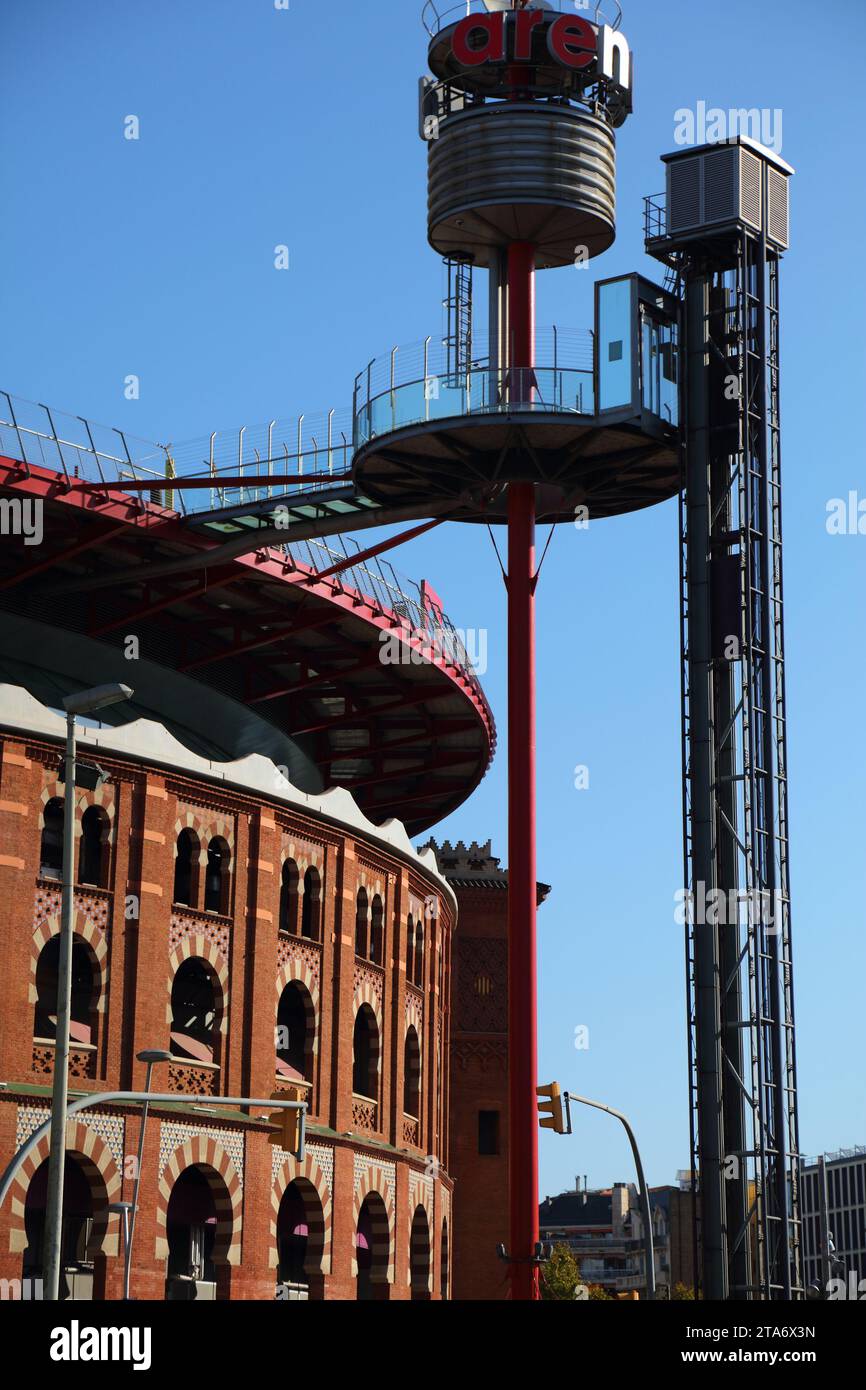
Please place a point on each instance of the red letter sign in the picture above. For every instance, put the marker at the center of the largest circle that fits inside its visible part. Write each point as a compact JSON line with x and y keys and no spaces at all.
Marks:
{"x":491,"y":51}
{"x":572,"y":42}
{"x":525,"y":21}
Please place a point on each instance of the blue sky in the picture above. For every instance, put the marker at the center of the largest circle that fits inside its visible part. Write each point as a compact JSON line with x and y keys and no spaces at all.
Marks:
{"x":155,"y":257}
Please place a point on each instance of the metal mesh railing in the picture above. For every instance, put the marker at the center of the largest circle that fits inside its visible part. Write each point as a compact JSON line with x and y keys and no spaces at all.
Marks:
{"x":438,"y":15}
{"x":38,"y":436}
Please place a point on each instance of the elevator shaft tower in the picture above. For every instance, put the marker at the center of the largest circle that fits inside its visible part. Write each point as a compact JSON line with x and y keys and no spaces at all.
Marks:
{"x":721,"y":230}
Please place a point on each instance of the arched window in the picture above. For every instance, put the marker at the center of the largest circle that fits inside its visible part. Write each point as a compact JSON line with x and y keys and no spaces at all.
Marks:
{"x":419,"y":956}
{"x":410,"y":949}
{"x":216,"y":883}
{"x":311,"y":905}
{"x":419,"y":1255}
{"x":186,"y":869}
{"x":361,"y":923}
{"x":294,"y":1033}
{"x":412,"y":1074}
{"x":365,"y":1054}
{"x":51,"y":855}
{"x":94,"y":846}
{"x":377,"y":930}
{"x":192,"y":1223}
{"x":84,"y":992}
{"x":289,"y":898}
{"x":193,"y":1012}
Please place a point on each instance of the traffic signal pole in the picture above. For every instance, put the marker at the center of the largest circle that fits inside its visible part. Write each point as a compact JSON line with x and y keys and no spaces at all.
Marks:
{"x":522,"y":966}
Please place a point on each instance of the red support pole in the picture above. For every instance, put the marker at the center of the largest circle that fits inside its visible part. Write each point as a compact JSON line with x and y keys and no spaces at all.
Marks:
{"x":522,"y":968}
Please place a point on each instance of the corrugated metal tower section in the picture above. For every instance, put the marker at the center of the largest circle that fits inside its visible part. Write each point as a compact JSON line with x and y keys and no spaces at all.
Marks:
{"x":722,"y":232}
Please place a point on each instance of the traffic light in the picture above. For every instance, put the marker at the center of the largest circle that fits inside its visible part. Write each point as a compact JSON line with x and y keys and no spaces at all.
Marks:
{"x":550,"y":1109}
{"x":286,"y":1131}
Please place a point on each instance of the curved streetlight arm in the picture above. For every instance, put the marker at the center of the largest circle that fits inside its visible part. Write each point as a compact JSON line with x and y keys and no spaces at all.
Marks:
{"x":643,"y":1193}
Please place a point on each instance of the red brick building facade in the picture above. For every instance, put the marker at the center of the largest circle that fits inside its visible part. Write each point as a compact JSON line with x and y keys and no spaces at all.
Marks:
{"x":479,"y":1068}
{"x":266,"y":938}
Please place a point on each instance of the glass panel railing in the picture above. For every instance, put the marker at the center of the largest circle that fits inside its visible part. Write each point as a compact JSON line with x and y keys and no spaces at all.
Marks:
{"x":484,"y":391}
{"x":615,"y":344}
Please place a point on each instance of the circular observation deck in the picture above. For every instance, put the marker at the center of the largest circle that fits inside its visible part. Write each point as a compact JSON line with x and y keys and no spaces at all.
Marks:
{"x":437,"y":435}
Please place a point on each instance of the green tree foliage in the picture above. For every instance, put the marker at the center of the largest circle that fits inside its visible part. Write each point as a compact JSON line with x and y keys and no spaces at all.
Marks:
{"x":681,"y":1292}
{"x":560,"y":1276}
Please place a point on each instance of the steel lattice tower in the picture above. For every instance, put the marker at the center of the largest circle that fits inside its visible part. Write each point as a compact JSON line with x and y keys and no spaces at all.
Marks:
{"x":735,"y":793}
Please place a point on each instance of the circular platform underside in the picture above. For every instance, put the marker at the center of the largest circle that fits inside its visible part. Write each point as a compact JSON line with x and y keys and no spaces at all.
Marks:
{"x":575,"y":462}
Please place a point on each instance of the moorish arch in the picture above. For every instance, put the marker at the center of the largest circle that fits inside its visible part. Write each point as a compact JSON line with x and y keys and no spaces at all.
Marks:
{"x":195,"y":945}
{"x":102,"y":798}
{"x":313,"y":1186}
{"x":96,"y":942}
{"x":374,"y":1182}
{"x":208,"y":1155}
{"x":101,"y":1174}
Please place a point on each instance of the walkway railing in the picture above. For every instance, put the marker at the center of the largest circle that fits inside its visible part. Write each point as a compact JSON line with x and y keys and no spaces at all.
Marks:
{"x":80,"y":450}
{"x":438,"y":15}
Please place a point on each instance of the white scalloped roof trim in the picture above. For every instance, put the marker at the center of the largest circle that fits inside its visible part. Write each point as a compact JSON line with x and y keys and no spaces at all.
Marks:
{"x":147,"y":741}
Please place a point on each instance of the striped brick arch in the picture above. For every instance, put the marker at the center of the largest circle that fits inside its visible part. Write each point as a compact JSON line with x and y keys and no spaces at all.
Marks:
{"x":303,"y":856}
{"x":295,"y":971}
{"x":86,"y":931}
{"x":196,"y":945}
{"x":209,"y":1156}
{"x":373,"y":1183}
{"x":420,"y":1250}
{"x":316,"y":1195}
{"x":414,"y":1014}
{"x":103,"y":797}
{"x":101,"y":1175}
{"x":207,"y":825}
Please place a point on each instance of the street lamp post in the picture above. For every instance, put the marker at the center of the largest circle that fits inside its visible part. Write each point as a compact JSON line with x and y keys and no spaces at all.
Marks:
{"x":643,"y":1192}
{"x":85,"y":702}
{"x":151,"y":1057}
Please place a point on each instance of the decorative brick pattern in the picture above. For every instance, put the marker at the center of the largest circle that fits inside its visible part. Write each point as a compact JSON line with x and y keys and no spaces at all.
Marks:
{"x":84,"y":928}
{"x":205,"y":950}
{"x":369,"y":987}
{"x":207,"y":824}
{"x":381,"y":1179}
{"x":82,"y":1063}
{"x":100,"y":1172}
{"x":94,"y":904}
{"x":364,"y":1116}
{"x":315,"y":1191}
{"x":226,"y":1184}
{"x":173,"y":1136}
{"x":186,"y":1080}
{"x":216,"y":930}
{"x":293,"y":948}
{"x":415,"y":1010}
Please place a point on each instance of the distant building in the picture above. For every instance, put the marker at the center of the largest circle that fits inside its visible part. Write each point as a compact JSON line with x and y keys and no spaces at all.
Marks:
{"x":604,"y":1231}
{"x":833,"y":1194}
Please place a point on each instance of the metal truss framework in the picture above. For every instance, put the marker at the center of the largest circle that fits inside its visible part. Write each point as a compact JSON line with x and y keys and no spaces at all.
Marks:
{"x":742,"y":1067}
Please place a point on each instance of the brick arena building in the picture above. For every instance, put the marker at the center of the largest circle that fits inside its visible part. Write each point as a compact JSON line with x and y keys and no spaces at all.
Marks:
{"x":246,"y":899}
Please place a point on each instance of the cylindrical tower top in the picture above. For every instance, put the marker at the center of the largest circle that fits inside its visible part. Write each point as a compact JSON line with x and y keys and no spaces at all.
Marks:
{"x":520,"y":128}
{"x":499,"y":47}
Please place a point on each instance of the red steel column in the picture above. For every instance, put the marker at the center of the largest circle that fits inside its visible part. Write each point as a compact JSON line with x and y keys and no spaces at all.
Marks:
{"x":522,"y":969}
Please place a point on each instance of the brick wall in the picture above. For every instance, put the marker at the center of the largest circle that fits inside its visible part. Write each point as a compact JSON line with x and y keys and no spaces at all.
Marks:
{"x":137,"y":937}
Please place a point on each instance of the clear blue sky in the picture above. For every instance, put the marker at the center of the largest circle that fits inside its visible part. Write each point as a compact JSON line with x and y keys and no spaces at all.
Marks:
{"x":155,"y":257}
